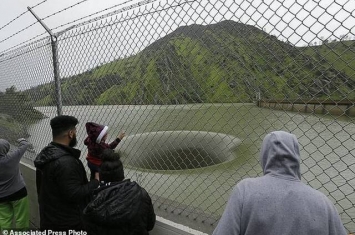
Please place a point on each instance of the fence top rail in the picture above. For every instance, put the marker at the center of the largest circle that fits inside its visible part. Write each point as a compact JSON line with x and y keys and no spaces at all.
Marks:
{"x":323,"y":102}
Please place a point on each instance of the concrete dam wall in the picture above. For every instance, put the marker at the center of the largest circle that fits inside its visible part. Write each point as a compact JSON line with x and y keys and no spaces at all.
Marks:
{"x":337,"y":108}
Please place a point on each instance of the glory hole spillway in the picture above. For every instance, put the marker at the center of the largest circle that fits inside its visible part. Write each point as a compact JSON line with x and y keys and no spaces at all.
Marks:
{"x":177,"y":150}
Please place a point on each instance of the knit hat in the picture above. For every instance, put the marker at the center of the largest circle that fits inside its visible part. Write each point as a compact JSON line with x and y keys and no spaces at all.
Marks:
{"x":95,"y":131}
{"x":111,"y":169}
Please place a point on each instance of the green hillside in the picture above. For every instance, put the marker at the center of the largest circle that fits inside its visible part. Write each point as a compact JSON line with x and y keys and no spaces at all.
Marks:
{"x":338,"y":57}
{"x":223,"y":62}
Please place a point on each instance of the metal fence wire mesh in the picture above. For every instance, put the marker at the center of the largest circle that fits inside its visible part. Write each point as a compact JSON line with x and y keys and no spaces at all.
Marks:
{"x":196,"y":85}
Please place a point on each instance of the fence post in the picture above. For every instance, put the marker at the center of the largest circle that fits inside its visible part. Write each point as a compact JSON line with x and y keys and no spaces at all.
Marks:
{"x":54,"y":44}
{"x":58,"y":90}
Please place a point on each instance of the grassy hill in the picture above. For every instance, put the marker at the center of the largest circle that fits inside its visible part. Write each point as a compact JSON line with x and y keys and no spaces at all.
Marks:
{"x":223,"y":62}
{"x":338,"y":57}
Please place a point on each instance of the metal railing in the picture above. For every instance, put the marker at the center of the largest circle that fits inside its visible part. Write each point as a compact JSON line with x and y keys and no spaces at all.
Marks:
{"x":197,"y":85}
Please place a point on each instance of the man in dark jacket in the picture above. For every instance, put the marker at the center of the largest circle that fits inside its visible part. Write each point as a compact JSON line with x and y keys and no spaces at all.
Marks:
{"x":119,"y":206}
{"x":62,"y":185}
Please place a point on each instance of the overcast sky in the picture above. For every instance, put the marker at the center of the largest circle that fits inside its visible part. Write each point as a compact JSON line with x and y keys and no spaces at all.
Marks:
{"x":290,"y":19}
{"x":301,"y":22}
{"x":10,"y":9}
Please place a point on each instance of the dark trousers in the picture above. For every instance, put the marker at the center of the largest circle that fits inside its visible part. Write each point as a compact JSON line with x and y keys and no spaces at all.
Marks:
{"x":93,"y":169}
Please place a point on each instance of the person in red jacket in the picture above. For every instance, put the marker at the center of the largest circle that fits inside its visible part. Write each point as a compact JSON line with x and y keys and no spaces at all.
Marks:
{"x":96,"y":144}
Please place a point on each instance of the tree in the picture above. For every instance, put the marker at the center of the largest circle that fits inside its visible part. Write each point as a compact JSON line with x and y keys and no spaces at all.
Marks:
{"x":11,"y":90}
{"x":18,"y":105}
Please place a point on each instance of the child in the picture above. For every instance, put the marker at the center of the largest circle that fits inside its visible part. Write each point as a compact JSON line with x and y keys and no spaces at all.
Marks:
{"x":96,"y":143}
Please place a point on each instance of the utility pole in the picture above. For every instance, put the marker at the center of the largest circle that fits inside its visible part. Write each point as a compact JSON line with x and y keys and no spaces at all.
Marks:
{"x":54,"y":45}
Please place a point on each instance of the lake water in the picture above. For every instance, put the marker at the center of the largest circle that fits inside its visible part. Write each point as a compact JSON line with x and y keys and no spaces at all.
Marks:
{"x":327,"y":151}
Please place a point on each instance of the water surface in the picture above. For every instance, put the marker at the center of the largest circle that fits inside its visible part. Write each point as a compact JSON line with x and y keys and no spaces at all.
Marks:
{"x":326,"y":144}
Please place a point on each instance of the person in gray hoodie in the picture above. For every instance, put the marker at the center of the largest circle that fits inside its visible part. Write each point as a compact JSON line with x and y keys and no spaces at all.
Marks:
{"x":278,"y":202}
{"x":13,"y":192}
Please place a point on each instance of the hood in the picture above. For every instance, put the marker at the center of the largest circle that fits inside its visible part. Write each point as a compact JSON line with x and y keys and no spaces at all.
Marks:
{"x":4,"y":147}
{"x":52,"y":152}
{"x":115,"y":204}
{"x":95,"y":131}
{"x":280,"y":155}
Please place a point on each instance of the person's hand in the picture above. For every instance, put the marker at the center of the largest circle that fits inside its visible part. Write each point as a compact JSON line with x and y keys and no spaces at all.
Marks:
{"x":121,"y":135}
{"x":97,"y":176}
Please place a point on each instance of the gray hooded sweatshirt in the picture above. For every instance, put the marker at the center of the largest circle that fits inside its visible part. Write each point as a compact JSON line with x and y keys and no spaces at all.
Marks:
{"x":11,"y":179}
{"x":278,"y":203}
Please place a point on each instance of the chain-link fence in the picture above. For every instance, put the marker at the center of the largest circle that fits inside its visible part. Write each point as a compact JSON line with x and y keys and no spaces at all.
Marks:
{"x":196,"y":85}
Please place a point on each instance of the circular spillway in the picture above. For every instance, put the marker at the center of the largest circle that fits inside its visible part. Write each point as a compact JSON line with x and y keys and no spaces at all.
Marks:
{"x":177,"y":150}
